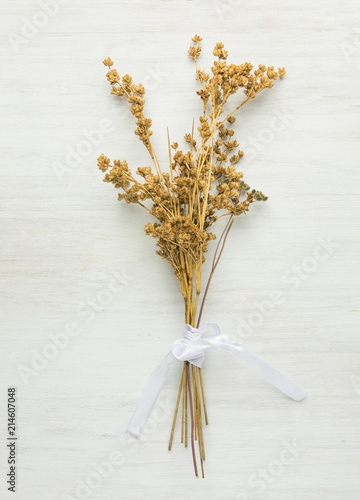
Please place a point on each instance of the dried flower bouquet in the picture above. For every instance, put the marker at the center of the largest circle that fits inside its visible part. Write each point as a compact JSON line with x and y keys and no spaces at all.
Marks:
{"x":200,"y":186}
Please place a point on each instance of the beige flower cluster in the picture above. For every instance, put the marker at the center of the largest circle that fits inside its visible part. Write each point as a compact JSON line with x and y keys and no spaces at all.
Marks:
{"x":202,"y":182}
{"x":201,"y":185}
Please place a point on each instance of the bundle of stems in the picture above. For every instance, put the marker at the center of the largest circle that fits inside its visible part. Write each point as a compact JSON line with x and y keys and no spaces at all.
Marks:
{"x":201,"y":186}
{"x":192,"y":377}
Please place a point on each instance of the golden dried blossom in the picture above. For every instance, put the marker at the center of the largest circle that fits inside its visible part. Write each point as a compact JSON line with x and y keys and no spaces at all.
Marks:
{"x":281,"y":72}
{"x":202,"y":184}
{"x":108,"y":62}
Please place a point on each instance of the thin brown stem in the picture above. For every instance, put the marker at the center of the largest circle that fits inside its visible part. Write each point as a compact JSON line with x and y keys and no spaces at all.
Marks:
{"x":201,"y":445}
{"x":219,"y":243}
{"x":201,"y":437}
{"x":183,"y":404}
{"x":216,"y":259}
{"x":176,"y":409}
{"x":203,"y":397}
{"x":232,"y":218}
{"x":195,"y":400}
{"x":192,"y":421}
{"x":186,"y":406}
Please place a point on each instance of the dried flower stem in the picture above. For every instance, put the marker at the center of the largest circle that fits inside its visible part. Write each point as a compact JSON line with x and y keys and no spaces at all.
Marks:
{"x":183,"y":404}
{"x":215,"y":262}
{"x":182,"y":201}
{"x":176,"y":409}
{"x":203,"y":397}
{"x":192,"y":420}
{"x":186,"y":405}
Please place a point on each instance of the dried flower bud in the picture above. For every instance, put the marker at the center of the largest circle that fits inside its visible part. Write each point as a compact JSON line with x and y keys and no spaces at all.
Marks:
{"x":282,"y":72}
{"x":108,"y":62}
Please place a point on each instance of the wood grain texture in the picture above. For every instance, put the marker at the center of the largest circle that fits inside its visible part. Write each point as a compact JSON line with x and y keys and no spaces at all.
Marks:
{"x":73,"y":257}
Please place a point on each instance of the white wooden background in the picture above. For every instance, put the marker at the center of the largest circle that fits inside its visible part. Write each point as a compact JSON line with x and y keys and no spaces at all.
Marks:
{"x":73,"y":257}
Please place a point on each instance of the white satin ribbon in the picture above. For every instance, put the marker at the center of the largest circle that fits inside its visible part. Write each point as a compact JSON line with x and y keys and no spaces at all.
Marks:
{"x":192,"y":348}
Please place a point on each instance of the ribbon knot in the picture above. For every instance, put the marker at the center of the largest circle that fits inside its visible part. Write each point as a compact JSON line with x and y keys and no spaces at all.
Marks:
{"x":191,"y":347}
{"x":191,"y":333}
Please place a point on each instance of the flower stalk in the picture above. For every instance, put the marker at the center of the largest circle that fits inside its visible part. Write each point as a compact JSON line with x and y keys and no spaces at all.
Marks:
{"x":202,"y":184}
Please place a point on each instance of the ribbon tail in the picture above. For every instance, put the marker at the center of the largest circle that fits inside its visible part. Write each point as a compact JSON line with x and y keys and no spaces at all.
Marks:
{"x":149,"y":395}
{"x":268,"y":373}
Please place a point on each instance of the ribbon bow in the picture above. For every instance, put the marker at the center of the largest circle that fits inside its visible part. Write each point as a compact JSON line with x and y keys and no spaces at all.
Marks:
{"x":191,"y":347}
